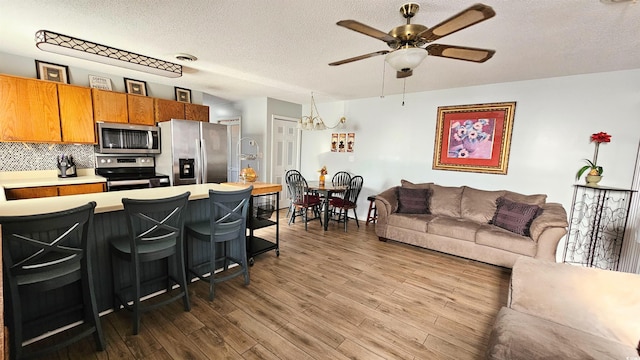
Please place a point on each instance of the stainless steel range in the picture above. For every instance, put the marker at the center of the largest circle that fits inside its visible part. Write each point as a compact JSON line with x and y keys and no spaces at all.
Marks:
{"x":126,"y":172}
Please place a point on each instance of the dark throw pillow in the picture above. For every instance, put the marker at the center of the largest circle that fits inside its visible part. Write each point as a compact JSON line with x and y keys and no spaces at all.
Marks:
{"x":413,"y":201}
{"x":514,"y":216}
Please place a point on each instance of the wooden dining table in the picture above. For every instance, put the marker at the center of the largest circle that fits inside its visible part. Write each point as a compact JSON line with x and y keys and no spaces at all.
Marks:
{"x":326,"y":191}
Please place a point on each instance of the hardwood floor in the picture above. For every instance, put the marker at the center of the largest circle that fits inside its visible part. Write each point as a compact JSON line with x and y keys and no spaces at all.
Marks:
{"x":330,"y":295}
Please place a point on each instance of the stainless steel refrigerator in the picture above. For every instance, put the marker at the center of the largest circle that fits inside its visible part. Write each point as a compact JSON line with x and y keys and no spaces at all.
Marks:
{"x":192,"y":152}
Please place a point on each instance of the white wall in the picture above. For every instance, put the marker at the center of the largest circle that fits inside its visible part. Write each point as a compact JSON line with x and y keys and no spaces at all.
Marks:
{"x":554,"y":119}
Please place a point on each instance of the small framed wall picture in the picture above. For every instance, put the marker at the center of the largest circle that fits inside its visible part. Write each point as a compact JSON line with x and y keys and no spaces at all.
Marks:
{"x":52,"y":72}
{"x":99,"y":82}
{"x":137,"y":87}
{"x":183,"y":95}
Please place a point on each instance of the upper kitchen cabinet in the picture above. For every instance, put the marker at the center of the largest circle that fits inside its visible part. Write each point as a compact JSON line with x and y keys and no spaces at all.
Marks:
{"x":140,"y":109}
{"x":109,"y":106}
{"x":76,"y":114}
{"x":28,"y":110}
{"x":166,"y":110}
{"x":196,"y":112}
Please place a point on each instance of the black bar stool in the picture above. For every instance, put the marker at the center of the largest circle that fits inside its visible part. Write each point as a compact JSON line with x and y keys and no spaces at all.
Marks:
{"x":227,"y":225}
{"x":155,"y":232}
{"x":372,"y":209}
{"x":44,"y":255}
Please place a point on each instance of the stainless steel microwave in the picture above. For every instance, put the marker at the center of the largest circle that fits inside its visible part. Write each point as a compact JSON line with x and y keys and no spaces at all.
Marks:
{"x":128,"y":139}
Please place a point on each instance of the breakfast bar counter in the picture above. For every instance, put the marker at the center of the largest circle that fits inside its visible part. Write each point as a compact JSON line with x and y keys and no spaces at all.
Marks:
{"x":109,"y":221}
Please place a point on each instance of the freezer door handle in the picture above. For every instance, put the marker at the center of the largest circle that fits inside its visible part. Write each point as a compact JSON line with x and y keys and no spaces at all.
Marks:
{"x":205,"y":163}
{"x":198,"y":172}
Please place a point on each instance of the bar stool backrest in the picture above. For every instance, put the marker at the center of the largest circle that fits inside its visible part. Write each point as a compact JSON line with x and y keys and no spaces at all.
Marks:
{"x":46,"y":250}
{"x":155,"y":220}
{"x":228,"y":218}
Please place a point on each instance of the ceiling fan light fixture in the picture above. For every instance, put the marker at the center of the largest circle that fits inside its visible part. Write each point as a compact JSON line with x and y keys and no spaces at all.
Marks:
{"x":406,"y":59}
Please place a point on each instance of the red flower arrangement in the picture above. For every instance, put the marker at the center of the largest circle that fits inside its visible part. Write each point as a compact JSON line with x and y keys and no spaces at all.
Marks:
{"x":598,"y":138}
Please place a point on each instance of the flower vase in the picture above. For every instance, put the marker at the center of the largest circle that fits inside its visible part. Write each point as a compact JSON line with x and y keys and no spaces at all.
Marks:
{"x":321,"y":180}
{"x":593,"y":180}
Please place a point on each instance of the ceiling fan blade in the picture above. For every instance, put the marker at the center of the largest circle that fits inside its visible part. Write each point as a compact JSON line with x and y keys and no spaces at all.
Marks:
{"x":367,"y":30}
{"x":462,"y":20}
{"x":460,"y":52}
{"x":404,"y":74}
{"x":381,"y":52}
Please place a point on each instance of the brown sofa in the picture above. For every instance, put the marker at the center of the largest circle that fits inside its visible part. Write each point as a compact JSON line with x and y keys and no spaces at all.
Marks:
{"x":462,"y":221}
{"x":562,"y":311}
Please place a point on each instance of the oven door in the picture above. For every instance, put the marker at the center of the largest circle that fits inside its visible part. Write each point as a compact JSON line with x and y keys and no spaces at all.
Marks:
{"x":128,"y":139}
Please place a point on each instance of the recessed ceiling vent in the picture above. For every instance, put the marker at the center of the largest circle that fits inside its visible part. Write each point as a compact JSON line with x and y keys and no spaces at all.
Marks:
{"x":186,"y":57}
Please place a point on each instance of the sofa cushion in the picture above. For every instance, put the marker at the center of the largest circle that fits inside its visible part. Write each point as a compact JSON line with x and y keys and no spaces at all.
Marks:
{"x":453,"y":227}
{"x":537,"y":199}
{"x":516,"y":335}
{"x":413,"y":201}
{"x":514,"y":216}
{"x":479,"y":205}
{"x":493,"y":236}
{"x":410,"y":185}
{"x":417,"y":222}
{"x":445,"y":200}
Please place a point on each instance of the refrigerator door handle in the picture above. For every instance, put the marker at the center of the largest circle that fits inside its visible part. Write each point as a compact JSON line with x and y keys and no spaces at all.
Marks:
{"x":204,"y":170}
{"x":198,"y":171}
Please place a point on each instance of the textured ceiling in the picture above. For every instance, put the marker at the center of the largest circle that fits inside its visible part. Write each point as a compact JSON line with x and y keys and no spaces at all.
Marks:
{"x":281,"y":48}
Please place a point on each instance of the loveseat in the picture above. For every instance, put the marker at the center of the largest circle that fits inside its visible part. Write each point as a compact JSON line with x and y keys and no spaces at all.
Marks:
{"x":496,"y":227}
{"x":562,"y":311}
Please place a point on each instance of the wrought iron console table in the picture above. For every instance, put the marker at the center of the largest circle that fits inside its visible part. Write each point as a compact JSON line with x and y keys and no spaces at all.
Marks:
{"x":596,"y":227}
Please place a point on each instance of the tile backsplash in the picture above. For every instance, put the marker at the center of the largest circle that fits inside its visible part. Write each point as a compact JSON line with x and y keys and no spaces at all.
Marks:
{"x":32,"y":156}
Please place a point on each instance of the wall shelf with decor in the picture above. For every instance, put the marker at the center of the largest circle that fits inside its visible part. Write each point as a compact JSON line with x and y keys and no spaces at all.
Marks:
{"x":597,"y":224}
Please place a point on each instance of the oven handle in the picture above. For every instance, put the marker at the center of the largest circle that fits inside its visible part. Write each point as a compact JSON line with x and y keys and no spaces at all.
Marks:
{"x":127,"y":182}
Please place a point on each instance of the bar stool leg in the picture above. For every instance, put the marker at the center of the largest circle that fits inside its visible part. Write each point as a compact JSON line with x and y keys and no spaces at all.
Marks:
{"x":372,"y":209}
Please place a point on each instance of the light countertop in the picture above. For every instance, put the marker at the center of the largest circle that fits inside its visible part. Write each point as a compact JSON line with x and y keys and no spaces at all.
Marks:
{"x":106,"y":201}
{"x":22,"y":179}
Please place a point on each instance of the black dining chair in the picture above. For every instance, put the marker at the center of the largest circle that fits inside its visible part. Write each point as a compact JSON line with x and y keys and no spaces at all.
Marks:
{"x":44,"y":255}
{"x":349,"y":202}
{"x":289,"y":191}
{"x":301,"y":201}
{"x":155,"y":232}
{"x":341,"y":178}
{"x":224,"y":233}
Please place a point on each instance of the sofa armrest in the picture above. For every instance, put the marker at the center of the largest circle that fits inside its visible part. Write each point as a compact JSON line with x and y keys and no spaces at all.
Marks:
{"x":553,"y":215}
{"x":601,"y":302}
{"x":386,"y":204}
{"x":387,"y":201}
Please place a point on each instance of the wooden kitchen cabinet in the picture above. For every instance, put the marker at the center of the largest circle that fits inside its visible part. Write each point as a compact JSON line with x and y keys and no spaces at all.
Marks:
{"x":109,"y":106}
{"x":28,"y":110}
{"x":76,"y":114}
{"x":49,"y":191}
{"x":140,"y":109}
{"x":196,"y":112}
{"x":81,"y":189}
{"x":166,"y":110}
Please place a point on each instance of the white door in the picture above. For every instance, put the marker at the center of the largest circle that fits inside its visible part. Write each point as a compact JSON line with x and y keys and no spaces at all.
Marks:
{"x":285,"y":152}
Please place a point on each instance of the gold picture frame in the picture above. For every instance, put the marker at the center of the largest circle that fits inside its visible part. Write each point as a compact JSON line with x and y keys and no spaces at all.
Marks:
{"x":52,"y":72}
{"x":474,"y":138}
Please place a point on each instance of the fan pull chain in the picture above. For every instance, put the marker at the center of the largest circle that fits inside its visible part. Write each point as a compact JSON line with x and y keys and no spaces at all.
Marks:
{"x":383,"y":69}
{"x":404,"y":88}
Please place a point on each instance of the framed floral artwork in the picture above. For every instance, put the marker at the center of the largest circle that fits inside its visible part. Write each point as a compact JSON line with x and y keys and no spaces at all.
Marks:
{"x":52,"y":72}
{"x":474,"y":138}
